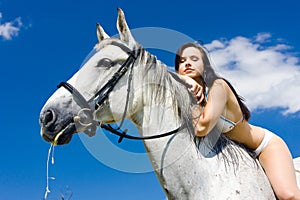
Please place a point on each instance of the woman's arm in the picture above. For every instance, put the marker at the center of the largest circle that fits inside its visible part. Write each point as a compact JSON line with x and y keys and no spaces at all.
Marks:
{"x":217,"y":99}
{"x":204,"y":120}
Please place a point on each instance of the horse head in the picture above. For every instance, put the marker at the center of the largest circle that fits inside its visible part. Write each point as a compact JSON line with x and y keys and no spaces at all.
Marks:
{"x":78,"y":104}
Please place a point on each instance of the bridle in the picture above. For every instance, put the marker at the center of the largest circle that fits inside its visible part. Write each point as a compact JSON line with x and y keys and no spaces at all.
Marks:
{"x":99,"y":98}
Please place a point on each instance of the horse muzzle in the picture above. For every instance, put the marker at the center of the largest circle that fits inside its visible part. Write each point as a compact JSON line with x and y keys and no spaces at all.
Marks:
{"x":56,"y":130}
{"x":58,"y":126}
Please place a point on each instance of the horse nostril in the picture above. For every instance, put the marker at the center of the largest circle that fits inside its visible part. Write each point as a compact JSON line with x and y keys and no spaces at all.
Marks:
{"x":49,"y":118}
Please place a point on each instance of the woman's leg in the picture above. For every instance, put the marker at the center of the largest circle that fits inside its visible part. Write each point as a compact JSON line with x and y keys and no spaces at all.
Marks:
{"x":277,"y":162}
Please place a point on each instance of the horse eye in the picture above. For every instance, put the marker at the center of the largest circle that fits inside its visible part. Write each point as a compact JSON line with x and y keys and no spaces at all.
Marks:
{"x":105,"y":62}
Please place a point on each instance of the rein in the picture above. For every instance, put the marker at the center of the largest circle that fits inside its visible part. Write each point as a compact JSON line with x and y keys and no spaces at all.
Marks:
{"x":123,"y":134}
{"x":103,"y":95}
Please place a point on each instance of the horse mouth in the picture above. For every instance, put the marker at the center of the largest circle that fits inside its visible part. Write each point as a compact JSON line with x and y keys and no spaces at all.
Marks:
{"x":62,"y":137}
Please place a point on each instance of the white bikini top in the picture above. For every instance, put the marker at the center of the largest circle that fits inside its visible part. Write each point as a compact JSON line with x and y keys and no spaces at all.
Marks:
{"x":225,"y":125}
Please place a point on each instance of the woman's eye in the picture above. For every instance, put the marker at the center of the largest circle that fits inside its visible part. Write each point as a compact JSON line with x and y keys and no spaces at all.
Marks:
{"x":194,"y":58}
{"x":182,"y":60}
{"x":105,"y":62}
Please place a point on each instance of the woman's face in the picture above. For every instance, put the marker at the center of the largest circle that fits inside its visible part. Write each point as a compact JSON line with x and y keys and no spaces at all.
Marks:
{"x":191,"y":63}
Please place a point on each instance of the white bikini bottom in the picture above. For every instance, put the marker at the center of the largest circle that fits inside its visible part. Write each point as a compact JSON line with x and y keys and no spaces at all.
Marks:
{"x":264,"y":143}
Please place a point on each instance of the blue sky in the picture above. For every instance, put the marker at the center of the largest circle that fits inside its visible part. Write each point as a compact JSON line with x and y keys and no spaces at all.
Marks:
{"x":45,"y":42}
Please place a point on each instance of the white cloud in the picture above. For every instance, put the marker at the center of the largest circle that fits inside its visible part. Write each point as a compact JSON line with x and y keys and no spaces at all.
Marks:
{"x":10,"y":29}
{"x":267,"y":76}
{"x":262,"y":37}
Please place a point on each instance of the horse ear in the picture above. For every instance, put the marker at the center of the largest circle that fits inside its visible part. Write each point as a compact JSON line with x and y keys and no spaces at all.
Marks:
{"x":101,"y":33}
{"x":123,"y":29}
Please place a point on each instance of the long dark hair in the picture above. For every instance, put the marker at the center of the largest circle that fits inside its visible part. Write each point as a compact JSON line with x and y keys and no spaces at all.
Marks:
{"x":209,"y":75}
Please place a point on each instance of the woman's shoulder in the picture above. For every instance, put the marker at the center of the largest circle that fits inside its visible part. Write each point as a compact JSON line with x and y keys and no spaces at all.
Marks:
{"x":219,"y":90}
{"x":221,"y":83}
{"x":223,"y":87}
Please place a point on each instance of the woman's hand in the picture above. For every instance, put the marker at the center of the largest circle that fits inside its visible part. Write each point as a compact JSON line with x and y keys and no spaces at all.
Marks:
{"x":195,"y":88}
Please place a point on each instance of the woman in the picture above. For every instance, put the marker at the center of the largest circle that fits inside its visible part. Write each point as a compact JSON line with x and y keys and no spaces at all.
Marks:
{"x":225,"y":109}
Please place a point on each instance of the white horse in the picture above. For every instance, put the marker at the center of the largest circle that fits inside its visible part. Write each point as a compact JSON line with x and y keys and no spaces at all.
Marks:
{"x":159,"y":104}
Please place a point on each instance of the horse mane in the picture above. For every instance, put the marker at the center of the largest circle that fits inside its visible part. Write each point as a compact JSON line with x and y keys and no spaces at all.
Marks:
{"x":163,"y":83}
{"x":182,"y":100}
